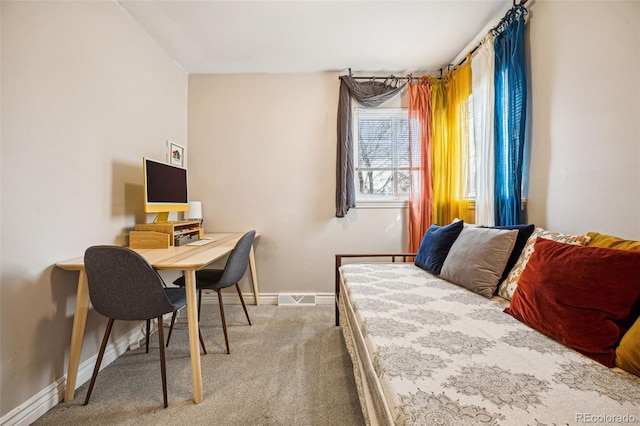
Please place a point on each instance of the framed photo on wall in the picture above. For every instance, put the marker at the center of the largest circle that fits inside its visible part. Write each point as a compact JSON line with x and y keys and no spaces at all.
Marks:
{"x":175,"y":154}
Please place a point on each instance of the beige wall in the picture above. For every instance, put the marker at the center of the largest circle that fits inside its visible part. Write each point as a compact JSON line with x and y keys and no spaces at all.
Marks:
{"x":262,"y":151}
{"x":85,"y":94}
{"x":585,"y":168}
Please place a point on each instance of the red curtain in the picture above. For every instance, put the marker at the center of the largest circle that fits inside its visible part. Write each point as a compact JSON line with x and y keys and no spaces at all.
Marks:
{"x":421,"y":188}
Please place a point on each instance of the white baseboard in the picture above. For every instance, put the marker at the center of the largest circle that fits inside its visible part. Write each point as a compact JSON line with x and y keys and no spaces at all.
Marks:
{"x":49,"y":397}
{"x":52,"y":395}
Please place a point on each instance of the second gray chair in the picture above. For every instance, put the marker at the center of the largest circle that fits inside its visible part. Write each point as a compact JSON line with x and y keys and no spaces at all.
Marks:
{"x":218,"y":279}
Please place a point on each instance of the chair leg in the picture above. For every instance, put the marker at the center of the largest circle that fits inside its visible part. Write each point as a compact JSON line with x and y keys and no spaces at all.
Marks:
{"x":199,"y":332}
{"x":224,"y":322}
{"x":163,"y":361}
{"x":243,"y":305}
{"x":173,"y":321}
{"x":148,"y":334}
{"x":201,"y":340}
{"x":105,"y":339}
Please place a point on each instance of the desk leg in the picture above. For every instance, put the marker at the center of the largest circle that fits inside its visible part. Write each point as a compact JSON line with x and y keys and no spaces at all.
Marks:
{"x":194,"y":342}
{"x":254,"y":275}
{"x":77,"y":335}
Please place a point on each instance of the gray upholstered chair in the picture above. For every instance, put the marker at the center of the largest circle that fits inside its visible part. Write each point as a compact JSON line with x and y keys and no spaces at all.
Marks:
{"x":124,"y":286}
{"x":217,"y":279}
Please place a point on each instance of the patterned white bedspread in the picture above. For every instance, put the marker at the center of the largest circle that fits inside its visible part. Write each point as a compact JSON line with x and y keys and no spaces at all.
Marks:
{"x":427,"y":352}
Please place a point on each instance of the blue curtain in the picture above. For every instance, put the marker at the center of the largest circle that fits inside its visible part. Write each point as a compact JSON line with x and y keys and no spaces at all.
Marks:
{"x":510,"y":116}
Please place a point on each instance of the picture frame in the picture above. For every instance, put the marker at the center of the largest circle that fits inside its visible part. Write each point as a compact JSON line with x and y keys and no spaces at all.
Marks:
{"x":175,"y":154}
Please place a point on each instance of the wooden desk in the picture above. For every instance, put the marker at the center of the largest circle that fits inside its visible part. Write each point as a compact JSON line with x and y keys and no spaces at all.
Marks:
{"x":187,"y":259}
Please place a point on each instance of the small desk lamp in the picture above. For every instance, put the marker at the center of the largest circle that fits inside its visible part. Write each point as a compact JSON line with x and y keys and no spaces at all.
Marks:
{"x":194,"y":212}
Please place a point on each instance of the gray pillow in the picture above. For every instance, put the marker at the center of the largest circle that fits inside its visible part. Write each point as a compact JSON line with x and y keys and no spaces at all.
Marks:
{"x":478,"y":257}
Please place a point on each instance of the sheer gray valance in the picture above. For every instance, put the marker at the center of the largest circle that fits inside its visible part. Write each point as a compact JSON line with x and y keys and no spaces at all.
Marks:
{"x":368,"y":94}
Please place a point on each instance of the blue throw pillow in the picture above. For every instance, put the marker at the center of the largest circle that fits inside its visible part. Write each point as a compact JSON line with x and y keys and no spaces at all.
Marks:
{"x":524,"y":232}
{"x":435,"y":246}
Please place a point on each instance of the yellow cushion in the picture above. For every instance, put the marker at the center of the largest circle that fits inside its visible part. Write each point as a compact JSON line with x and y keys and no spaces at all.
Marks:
{"x":609,"y":241}
{"x":628,"y":352}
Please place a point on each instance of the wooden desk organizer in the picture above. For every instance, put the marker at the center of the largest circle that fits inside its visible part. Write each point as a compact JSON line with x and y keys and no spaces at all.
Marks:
{"x":163,"y":234}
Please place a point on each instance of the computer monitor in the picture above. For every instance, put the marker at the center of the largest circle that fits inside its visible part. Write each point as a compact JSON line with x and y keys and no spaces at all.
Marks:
{"x":165,"y":189}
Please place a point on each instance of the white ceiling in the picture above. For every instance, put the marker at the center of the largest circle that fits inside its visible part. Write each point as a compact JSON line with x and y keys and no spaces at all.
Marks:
{"x":212,"y":36}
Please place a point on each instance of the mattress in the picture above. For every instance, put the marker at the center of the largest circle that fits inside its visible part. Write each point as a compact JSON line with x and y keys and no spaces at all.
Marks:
{"x":428,"y":352}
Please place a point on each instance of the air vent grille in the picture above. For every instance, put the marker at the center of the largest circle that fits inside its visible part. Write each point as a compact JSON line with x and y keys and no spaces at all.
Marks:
{"x":296,"y":299}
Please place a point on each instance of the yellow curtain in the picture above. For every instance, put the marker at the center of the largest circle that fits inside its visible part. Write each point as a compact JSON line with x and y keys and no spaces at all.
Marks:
{"x":450,"y":99}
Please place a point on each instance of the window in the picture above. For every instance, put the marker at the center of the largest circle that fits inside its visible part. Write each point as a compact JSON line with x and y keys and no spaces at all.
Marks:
{"x":381,"y":155}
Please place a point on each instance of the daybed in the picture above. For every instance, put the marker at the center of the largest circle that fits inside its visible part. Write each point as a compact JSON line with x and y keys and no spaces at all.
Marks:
{"x":427,"y":351}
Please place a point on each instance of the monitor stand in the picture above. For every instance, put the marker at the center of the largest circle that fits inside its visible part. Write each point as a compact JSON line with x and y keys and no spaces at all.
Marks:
{"x":162,"y":217}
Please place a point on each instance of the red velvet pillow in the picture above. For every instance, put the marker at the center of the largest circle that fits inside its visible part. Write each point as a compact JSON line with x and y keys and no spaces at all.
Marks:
{"x":584,"y":297}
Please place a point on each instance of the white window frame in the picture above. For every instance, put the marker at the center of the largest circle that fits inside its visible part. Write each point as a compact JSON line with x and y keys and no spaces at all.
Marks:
{"x":375,"y":201}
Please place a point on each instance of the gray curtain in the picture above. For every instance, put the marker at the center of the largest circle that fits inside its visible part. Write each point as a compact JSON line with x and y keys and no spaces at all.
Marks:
{"x":369,"y":94}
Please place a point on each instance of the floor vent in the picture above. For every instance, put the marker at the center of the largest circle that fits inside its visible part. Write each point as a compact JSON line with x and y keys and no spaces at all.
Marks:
{"x":299,"y":299}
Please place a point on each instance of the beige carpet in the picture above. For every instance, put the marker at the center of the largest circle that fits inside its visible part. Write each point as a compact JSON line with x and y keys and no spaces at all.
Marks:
{"x":289,"y":368}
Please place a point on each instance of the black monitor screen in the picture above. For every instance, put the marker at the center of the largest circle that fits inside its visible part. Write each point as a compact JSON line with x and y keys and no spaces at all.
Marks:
{"x":165,"y":183}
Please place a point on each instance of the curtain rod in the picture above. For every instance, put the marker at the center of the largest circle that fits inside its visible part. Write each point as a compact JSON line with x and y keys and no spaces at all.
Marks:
{"x":374,"y":77}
